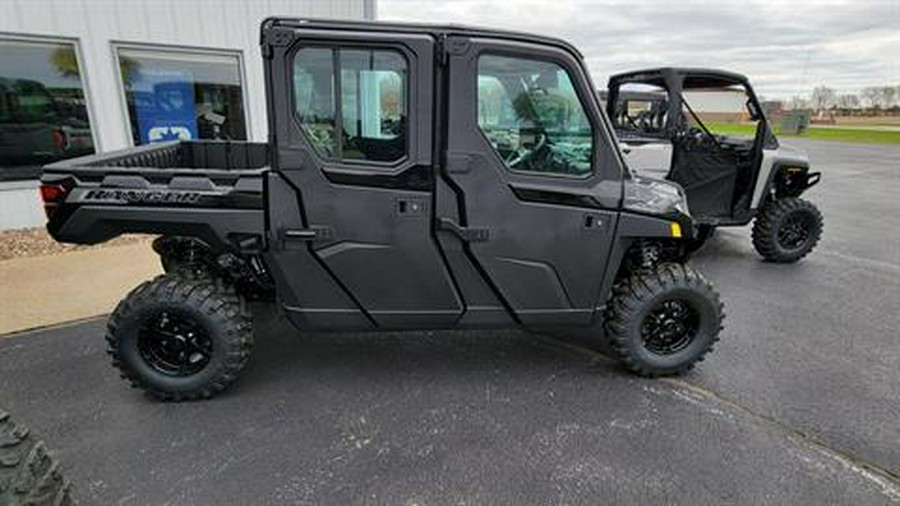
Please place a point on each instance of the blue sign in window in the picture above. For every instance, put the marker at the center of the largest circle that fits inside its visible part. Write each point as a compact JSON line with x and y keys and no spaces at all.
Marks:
{"x":165,"y":109}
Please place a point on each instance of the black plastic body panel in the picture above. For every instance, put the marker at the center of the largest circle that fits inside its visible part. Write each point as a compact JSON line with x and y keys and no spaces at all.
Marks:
{"x":211,"y":190}
{"x":447,"y":237}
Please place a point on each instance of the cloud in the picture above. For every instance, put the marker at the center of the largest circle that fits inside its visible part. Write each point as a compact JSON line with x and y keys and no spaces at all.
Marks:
{"x":786,"y":48}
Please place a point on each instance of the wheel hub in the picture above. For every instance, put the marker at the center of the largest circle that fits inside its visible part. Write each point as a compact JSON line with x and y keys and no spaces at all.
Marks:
{"x":174,"y":344}
{"x":794,"y":231}
{"x":669,"y":327}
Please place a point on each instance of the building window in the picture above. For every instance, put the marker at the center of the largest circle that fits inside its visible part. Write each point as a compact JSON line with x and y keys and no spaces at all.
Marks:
{"x":43,"y":114}
{"x":530,"y":113}
{"x":180,"y":95}
{"x":365,"y":101}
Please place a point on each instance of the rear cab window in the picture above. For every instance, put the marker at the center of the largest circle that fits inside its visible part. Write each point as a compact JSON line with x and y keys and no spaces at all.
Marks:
{"x":352,"y":103}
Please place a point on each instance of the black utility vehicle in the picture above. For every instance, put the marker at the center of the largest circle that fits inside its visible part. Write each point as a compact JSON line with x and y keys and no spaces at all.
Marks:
{"x":416,"y":177}
{"x":706,"y":130}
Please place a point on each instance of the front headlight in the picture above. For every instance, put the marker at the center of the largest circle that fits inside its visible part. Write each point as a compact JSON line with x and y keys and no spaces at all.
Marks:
{"x":654,"y":196}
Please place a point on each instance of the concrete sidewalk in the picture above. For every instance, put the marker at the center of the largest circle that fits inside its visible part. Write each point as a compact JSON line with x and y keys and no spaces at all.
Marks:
{"x":46,"y":290}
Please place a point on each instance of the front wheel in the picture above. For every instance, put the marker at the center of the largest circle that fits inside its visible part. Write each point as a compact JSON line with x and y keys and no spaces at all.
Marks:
{"x":663,"y":321}
{"x":787,"y":229}
{"x":180,"y":337}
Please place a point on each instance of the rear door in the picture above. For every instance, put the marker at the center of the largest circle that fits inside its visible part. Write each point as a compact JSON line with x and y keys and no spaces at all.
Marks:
{"x":537,"y":181}
{"x":355,"y":178}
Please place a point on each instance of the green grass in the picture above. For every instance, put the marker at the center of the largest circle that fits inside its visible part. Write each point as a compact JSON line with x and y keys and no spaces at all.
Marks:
{"x":815,"y":133}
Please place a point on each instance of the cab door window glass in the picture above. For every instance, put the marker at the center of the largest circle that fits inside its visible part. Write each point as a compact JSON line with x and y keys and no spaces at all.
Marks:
{"x":532,"y":116}
{"x":358,"y":112}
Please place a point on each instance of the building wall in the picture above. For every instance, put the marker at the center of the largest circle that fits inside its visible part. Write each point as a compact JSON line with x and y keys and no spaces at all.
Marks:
{"x":98,"y":26}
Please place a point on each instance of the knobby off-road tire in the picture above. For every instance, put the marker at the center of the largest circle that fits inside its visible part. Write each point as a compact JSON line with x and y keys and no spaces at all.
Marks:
{"x":180,"y":337}
{"x":786,"y":230}
{"x":663,"y":321}
{"x":29,"y":475}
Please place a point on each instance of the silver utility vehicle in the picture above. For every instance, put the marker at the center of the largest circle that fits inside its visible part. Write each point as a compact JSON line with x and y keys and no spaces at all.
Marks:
{"x":705,"y":130}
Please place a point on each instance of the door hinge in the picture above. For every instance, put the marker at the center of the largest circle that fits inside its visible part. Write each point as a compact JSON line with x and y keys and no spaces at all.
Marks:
{"x":468,"y":234}
{"x":276,"y":36}
{"x":451,"y":46}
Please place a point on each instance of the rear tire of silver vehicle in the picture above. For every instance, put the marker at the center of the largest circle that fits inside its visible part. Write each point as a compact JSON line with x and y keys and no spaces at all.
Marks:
{"x":180,"y":337}
{"x":787,"y":229}
{"x":29,"y":474}
{"x":663,"y":321}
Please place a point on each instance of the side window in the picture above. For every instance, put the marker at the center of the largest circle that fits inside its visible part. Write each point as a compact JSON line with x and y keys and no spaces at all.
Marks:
{"x":357,"y":112}
{"x":531,"y":115}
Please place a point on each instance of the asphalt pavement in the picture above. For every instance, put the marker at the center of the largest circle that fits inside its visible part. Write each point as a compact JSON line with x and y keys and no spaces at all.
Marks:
{"x":799,"y":404}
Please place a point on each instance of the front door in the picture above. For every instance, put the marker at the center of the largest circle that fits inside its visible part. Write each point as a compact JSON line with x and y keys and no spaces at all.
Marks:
{"x":536,"y":179}
{"x":355,"y":155}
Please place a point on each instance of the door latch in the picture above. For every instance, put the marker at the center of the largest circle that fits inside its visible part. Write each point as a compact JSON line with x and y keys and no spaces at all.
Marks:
{"x":467,"y":234}
{"x":313,"y":233}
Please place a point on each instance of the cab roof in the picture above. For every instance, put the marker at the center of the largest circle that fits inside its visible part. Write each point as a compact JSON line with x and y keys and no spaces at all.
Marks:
{"x":692,"y":77}
{"x":435,"y":30}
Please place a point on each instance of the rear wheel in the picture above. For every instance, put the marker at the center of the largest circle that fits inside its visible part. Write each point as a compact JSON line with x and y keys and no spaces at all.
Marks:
{"x":787,"y":229}
{"x":180,"y":337}
{"x":663,"y":321}
{"x":29,"y":475}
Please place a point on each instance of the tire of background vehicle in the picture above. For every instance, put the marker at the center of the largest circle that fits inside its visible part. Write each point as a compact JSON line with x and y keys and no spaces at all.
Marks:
{"x":704,"y":233}
{"x":180,"y":338}
{"x":29,"y":474}
{"x":773,"y":217}
{"x":641,"y":308}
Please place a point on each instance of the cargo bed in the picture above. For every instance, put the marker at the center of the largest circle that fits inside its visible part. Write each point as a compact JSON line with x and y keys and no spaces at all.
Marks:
{"x":198,"y":188}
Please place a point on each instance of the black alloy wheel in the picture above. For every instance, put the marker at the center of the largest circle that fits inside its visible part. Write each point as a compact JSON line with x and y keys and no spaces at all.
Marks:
{"x":794,"y":231}
{"x":670,"y":327}
{"x":175,"y":344}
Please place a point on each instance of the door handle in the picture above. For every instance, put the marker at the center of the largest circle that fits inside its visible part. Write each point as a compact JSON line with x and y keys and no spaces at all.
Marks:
{"x":465,"y":233}
{"x":313,"y":233}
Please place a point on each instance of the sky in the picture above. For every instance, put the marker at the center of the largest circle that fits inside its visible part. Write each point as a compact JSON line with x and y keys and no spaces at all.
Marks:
{"x":785,"y":47}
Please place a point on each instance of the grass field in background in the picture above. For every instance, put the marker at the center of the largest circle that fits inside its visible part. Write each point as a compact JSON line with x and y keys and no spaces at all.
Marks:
{"x":855,"y":134}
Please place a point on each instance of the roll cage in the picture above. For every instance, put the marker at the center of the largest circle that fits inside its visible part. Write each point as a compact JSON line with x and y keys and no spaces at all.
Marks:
{"x":674,"y":81}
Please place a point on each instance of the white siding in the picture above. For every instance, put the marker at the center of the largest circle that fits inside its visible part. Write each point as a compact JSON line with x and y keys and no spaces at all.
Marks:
{"x":96,"y":25}
{"x":211,"y":24}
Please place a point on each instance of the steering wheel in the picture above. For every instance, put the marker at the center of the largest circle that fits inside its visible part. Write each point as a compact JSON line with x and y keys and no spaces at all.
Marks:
{"x":521,"y":155}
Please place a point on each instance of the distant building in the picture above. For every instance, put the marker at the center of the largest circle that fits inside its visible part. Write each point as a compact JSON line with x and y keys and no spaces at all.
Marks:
{"x":80,"y":77}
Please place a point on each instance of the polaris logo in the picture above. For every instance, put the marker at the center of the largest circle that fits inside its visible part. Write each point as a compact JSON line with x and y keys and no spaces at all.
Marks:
{"x":144,"y":196}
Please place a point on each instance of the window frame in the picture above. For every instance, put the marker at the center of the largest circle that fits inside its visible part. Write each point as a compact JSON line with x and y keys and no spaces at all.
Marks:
{"x":82,"y":74}
{"x":391,"y":167}
{"x":570,"y":73}
{"x":238,"y":53}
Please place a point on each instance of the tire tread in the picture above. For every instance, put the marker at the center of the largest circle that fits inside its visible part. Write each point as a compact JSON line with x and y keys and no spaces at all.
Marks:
{"x":630,"y":294}
{"x":211,"y":296}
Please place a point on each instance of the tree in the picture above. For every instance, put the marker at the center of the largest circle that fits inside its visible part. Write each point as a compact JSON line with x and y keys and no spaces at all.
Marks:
{"x":847,"y":101}
{"x":872,"y":97}
{"x":798,"y":102}
{"x":63,"y":58}
{"x":888,"y":94}
{"x":822,"y":98}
